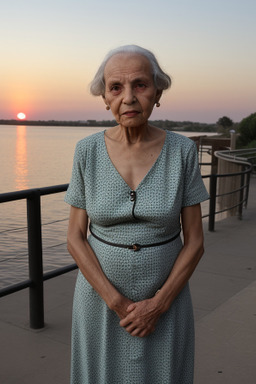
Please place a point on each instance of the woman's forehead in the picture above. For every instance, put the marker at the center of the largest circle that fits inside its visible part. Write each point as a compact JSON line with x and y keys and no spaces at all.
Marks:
{"x":127,"y":64}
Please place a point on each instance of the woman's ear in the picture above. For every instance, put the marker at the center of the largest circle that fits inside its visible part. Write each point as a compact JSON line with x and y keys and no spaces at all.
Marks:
{"x":105,"y":101}
{"x":158,"y":95}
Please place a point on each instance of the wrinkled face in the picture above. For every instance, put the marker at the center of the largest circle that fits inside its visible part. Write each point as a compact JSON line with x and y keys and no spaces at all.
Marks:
{"x":129,"y":89}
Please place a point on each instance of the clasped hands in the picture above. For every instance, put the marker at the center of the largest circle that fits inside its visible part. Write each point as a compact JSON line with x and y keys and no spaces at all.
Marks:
{"x":139,"y":318}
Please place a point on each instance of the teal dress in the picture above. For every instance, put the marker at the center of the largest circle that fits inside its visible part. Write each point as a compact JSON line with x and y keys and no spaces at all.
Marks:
{"x":102,"y":351}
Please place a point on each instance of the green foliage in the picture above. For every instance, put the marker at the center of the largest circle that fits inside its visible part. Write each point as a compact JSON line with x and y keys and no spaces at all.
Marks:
{"x":186,"y":126}
{"x":247,"y":130}
{"x":252,"y":144}
{"x":225,"y":122}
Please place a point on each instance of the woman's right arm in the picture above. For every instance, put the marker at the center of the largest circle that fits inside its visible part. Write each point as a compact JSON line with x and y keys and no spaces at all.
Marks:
{"x":87,"y":262}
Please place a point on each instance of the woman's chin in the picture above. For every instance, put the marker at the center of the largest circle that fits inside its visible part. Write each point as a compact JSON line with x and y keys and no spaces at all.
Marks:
{"x":133,"y":122}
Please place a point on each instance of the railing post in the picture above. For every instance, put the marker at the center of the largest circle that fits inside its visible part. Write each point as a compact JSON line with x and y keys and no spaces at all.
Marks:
{"x":36,"y":291}
{"x":212,"y":205}
{"x":248,"y":175}
{"x":241,"y":198}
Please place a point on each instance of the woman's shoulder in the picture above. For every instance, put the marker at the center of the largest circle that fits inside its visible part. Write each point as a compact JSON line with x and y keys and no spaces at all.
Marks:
{"x":89,"y":146}
{"x":178,"y":140}
{"x":90,"y":142}
{"x":92,"y":139}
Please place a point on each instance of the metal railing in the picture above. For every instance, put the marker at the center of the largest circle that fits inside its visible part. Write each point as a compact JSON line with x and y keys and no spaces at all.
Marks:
{"x":245,"y":158}
{"x":240,"y":156}
{"x":35,"y":283}
{"x":243,"y":195}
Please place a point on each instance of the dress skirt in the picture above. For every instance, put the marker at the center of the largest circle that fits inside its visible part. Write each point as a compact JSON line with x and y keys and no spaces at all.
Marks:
{"x":103,"y":352}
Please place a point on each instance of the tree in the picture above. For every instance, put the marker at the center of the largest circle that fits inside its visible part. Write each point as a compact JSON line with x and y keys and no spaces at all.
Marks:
{"x":247,"y":130}
{"x":225,"y":122}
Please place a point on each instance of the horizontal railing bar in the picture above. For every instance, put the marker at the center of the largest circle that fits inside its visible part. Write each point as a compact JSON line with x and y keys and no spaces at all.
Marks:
{"x":60,"y":271}
{"x":54,"y":189}
{"x":26,"y":193}
{"x":232,"y":207}
{"x":226,"y":209}
{"x":46,"y":276}
{"x":17,"y":195}
{"x":238,"y":155}
{"x":232,"y":152}
{"x":15,"y":288}
{"x":28,"y":283}
{"x":228,"y":174}
{"x":225,"y":155}
{"x":231,"y":192}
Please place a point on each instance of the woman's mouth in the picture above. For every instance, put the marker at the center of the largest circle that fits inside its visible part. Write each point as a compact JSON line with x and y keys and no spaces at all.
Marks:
{"x":130,"y":113}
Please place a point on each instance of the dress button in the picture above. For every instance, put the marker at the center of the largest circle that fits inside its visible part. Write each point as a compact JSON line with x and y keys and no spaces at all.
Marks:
{"x":133,"y":195}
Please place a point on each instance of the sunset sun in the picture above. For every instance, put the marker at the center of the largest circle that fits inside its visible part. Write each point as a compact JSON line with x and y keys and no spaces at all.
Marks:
{"x":21,"y":116}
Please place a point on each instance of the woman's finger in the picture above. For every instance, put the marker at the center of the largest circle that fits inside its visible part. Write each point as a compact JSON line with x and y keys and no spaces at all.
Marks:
{"x":127,"y":320}
{"x":131,"y":307}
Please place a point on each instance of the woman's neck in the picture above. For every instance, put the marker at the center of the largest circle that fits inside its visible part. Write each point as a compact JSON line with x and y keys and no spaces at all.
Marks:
{"x":133,"y":135}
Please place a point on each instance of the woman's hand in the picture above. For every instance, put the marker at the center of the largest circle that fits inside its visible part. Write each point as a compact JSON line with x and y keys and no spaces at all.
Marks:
{"x":142,"y":317}
{"x":121,"y":305}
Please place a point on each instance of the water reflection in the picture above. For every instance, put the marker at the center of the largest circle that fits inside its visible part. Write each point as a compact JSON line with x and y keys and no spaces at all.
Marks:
{"x":21,"y":163}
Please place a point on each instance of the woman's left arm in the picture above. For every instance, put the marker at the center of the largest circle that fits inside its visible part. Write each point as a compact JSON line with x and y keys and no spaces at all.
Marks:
{"x":144,"y":315}
{"x":189,"y":256}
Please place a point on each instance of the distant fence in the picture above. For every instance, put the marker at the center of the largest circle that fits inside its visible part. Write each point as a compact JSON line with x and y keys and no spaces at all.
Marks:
{"x":36,"y":279}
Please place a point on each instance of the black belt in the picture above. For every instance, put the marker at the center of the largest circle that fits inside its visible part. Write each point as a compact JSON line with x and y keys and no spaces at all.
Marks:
{"x":135,"y":247}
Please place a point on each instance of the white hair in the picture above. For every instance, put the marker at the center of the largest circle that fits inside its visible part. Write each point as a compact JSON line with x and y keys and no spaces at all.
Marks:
{"x":162,"y":81}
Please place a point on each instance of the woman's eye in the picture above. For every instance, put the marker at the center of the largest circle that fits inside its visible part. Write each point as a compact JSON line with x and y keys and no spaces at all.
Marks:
{"x":115,"y":88}
{"x":140,"y":85}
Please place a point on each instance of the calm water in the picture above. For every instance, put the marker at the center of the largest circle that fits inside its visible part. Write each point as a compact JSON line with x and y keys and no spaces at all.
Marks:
{"x":32,"y":157}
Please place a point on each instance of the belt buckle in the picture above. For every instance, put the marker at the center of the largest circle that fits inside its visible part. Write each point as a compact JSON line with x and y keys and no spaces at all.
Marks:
{"x":136,"y":247}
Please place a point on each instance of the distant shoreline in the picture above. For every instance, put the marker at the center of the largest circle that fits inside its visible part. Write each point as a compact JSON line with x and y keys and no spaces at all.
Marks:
{"x":166,"y":124}
{"x":54,"y":123}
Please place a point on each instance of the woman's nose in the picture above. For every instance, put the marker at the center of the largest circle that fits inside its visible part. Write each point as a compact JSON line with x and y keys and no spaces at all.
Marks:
{"x":129,"y":96}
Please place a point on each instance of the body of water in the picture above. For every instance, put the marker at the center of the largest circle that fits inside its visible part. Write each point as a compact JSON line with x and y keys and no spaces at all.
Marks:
{"x":35,"y":157}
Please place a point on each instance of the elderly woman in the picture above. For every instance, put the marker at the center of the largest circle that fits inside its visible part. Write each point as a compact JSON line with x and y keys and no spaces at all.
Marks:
{"x":137,"y":185}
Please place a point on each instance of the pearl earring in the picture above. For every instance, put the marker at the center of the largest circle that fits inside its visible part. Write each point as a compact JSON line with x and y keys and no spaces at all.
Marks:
{"x":107,"y":107}
{"x":157,"y":105}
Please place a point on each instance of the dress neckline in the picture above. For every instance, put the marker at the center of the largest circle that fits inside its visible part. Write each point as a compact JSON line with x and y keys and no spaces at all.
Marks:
{"x":146,"y":175}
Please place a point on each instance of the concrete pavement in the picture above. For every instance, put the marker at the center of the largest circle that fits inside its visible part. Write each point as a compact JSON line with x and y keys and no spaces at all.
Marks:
{"x":224,"y":295}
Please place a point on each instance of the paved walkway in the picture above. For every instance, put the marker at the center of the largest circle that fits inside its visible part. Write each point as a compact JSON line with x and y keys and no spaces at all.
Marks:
{"x":224,"y":294}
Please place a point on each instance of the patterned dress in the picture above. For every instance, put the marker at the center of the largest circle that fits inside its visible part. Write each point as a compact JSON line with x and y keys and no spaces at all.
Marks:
{"x":102,"y":351}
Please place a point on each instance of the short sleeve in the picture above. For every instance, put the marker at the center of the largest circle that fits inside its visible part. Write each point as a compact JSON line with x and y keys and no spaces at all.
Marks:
{"x":75,"y":194}
{"x":194,"y":191}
